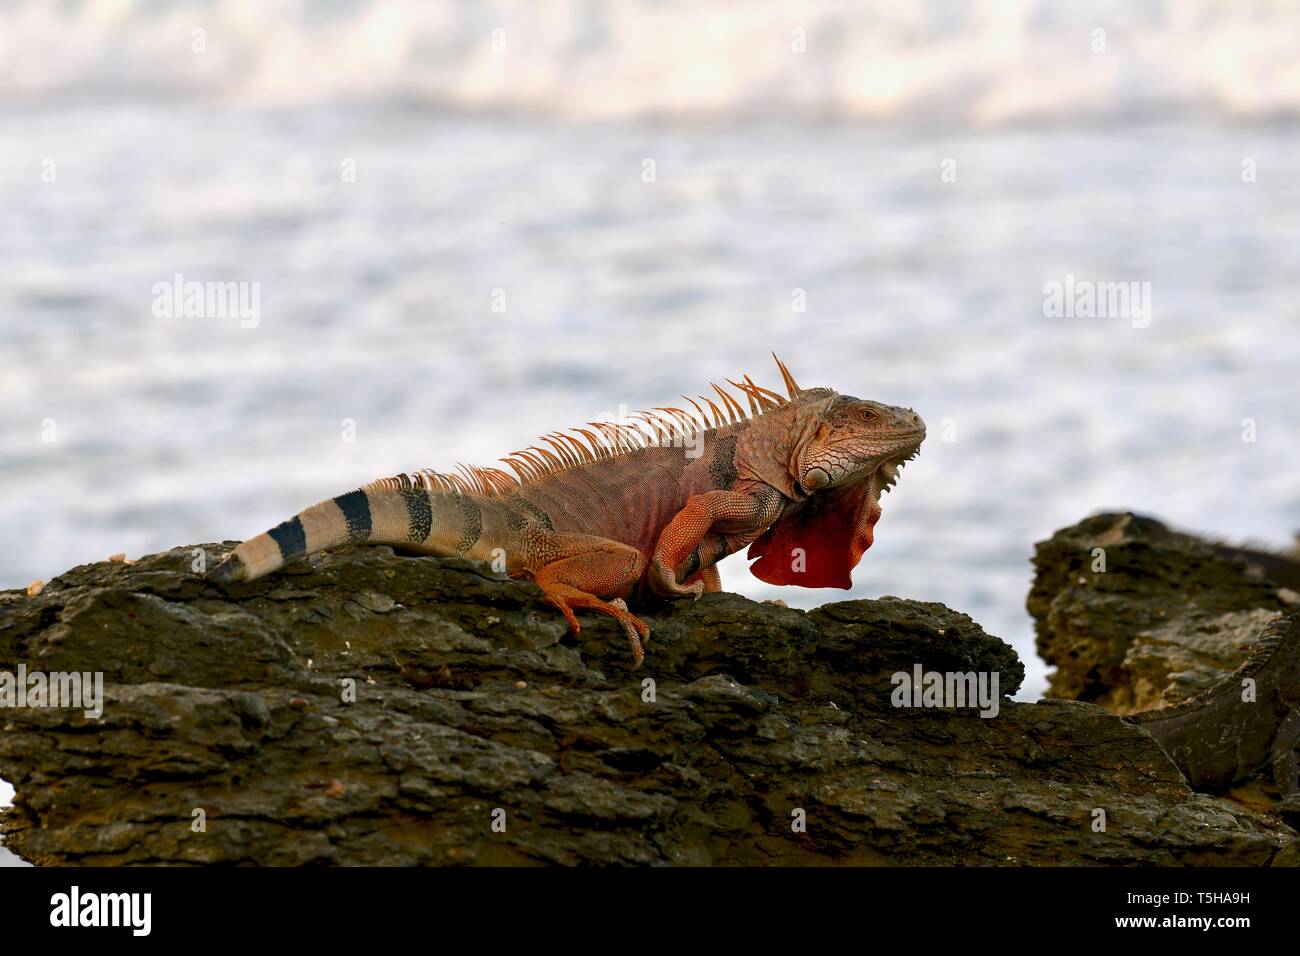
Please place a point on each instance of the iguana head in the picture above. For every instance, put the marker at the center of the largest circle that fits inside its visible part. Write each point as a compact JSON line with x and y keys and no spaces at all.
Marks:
{"x":858,"y":441}
{"x":846,"y":452}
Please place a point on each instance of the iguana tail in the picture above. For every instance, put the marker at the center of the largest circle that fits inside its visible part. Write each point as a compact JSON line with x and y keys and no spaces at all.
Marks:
{"x":392,"y":511}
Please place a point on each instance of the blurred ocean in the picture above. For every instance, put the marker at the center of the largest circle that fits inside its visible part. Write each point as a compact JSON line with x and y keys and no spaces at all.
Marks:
{"x":515,"y":161}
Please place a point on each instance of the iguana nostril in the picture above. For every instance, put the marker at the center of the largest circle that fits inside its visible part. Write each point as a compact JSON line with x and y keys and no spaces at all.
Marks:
{"x":906,"y":418}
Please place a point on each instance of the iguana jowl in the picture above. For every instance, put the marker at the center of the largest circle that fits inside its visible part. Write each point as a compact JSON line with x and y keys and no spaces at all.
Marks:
{"x":596,"y":518}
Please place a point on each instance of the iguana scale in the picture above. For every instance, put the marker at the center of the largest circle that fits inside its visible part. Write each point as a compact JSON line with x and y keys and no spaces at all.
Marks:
{"x":597,"y":517}
{"x":1217,"y":738}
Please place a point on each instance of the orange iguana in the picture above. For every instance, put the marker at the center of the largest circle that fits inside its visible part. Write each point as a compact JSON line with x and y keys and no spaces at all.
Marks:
{"x":655,"y":503}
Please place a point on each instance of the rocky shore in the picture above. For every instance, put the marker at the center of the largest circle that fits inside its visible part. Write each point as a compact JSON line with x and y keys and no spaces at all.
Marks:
{"x":366,"y":708}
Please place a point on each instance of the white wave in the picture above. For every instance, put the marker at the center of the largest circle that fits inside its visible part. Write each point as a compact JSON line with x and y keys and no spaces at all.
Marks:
{"x":989,"y":62}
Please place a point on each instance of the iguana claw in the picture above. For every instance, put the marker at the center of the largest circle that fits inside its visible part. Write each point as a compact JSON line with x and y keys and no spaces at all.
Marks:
{"x":663,"y":581}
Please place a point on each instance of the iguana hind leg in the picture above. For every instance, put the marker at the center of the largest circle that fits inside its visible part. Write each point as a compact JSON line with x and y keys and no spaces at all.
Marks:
{"x":595,"y":574}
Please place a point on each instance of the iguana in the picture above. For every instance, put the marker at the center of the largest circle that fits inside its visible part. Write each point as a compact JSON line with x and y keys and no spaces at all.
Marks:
{"x":1217,"y":738}
{"x":597,"y":517}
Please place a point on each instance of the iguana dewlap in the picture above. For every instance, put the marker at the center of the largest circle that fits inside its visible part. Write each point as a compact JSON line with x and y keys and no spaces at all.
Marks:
{"x":597,"y":517}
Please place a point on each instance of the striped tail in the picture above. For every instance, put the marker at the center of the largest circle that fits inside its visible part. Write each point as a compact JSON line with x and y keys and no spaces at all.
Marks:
{"x":380,"y":516}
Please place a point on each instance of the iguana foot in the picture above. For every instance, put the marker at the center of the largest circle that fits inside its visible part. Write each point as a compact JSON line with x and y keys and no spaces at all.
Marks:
{"x":709,"y":577}
{"x":663,"y":581}
{"x":594,"y":566}
{"x":635,"y":628}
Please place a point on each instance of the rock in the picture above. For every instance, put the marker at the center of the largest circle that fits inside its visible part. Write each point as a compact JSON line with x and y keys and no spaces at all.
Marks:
{"x":365,"y":708}
{"x":1168,"y":616}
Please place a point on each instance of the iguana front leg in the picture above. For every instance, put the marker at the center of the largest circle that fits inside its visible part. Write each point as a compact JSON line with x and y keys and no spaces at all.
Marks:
{"x":710,"y":527}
